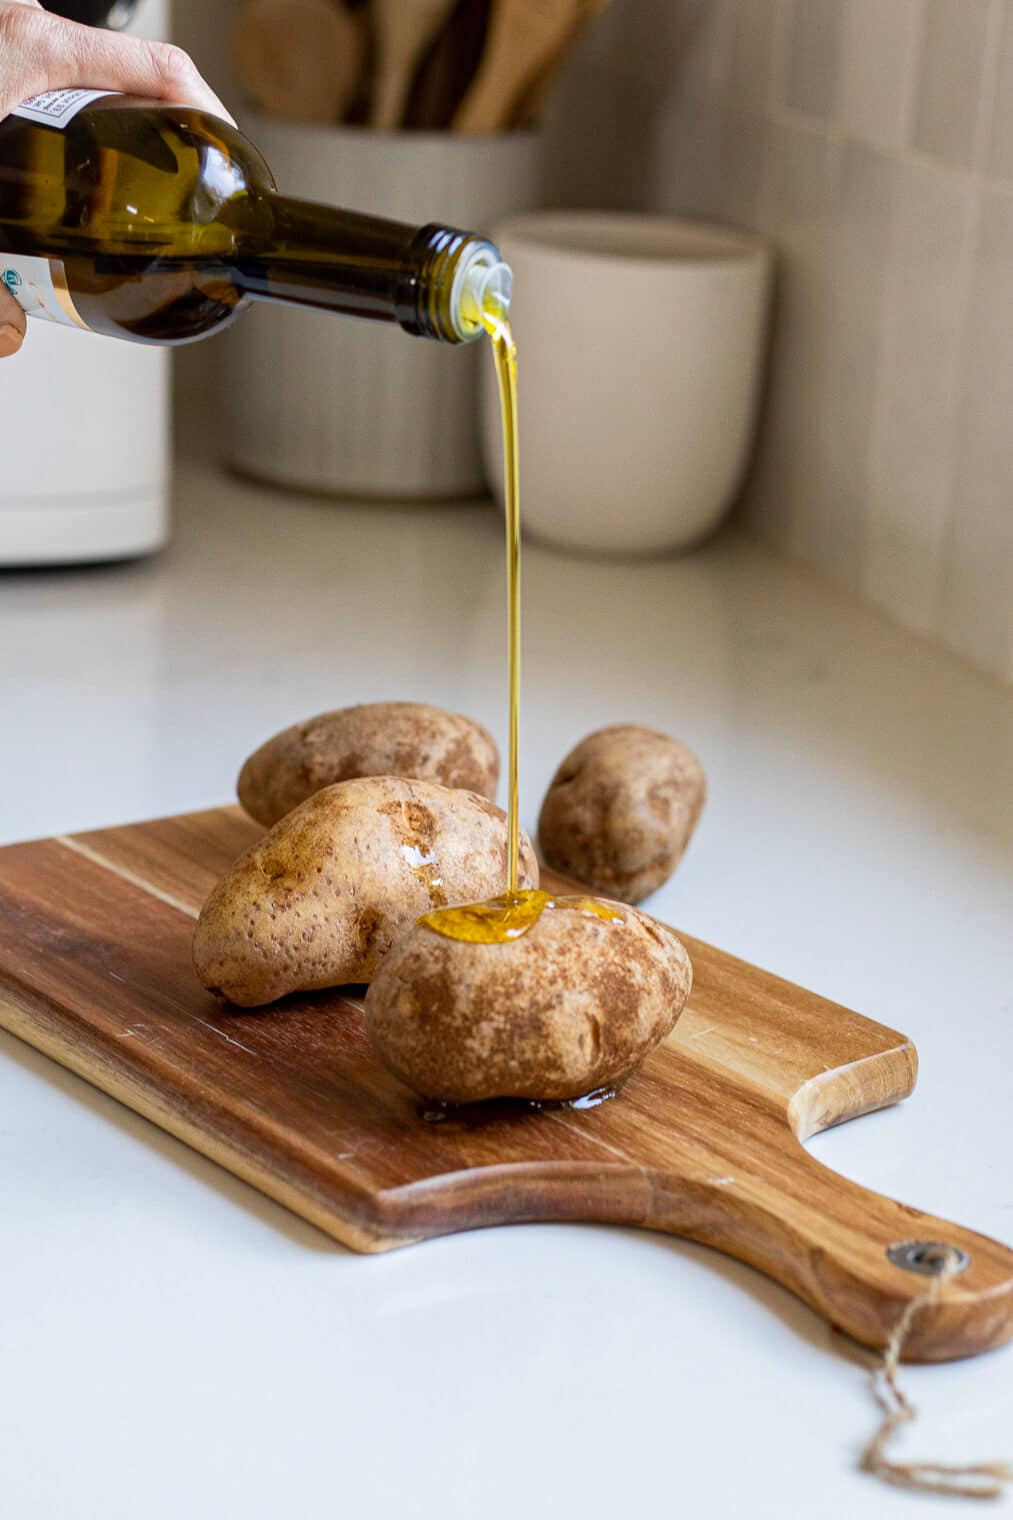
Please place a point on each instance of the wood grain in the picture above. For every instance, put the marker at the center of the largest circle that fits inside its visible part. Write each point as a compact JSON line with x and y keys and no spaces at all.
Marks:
{"x":404,"y":30}
{"x":449,"y":67}
{"x":301,"y":60}
{"x":523,"y":38}
{"x":95,"y":970}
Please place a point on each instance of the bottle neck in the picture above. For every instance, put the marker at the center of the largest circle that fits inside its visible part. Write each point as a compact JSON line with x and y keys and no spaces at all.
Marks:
{"x":306,"y":254}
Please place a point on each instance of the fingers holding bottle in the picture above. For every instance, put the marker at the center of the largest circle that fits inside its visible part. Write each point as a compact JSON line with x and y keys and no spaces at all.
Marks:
{"x":39,"y":51}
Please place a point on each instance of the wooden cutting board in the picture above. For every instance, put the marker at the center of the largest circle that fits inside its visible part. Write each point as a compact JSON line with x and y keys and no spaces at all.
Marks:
{"x":704,"y":1142}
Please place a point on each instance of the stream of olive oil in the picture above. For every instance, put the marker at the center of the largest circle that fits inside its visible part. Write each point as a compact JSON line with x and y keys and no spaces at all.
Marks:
{"x":504,"y":351}
{"x":506,"y":917}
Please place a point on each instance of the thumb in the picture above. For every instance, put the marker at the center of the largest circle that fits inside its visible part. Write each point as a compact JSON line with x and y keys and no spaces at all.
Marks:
{"x":12,"y":324}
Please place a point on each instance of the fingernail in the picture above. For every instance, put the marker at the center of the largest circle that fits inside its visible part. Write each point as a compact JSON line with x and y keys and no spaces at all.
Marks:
{"x":10,"y":339}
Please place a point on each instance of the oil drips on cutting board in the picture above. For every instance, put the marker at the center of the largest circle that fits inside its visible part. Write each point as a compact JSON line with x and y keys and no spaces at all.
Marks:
{"x":475,"y":1116}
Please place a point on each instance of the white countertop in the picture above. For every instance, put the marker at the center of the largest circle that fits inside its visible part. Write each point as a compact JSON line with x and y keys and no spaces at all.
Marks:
{"x":172,"y":1344}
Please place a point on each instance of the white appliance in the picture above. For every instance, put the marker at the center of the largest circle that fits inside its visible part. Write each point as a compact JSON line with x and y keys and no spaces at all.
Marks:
{"x":84,"y":448}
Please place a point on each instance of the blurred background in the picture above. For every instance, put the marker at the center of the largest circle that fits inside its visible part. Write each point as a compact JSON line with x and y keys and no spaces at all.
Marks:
{"x":873,"y":143}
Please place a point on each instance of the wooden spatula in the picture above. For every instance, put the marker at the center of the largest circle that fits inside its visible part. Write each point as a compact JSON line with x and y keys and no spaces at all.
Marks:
{"x":523,"y":36}
{"x":448,"y":68}
{"x":531,"y":103}
{"x":404,"y":30}
{"x":300,"y":59}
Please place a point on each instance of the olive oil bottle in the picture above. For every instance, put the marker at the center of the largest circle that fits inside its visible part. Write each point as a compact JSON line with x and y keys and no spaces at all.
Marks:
{"x":159,"y":223}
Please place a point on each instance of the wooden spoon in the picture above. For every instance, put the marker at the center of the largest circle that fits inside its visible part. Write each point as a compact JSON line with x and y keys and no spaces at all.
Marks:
{"x":404,"y":30}
{"x":523,"y":36}
{"x":449,"y":66}
{"x":300,"y":59}
{"x":531,"y":103}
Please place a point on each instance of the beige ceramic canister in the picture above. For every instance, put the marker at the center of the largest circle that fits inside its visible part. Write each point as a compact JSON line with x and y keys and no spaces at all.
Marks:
{"x":640,"y":345}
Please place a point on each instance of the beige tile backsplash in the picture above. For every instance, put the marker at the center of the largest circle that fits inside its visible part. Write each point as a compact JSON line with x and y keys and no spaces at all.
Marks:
{"x":872,"y":141}
{"x":913,"y":437}
{"x":751,"y":41}
{"x":1000,"y":160}
{"x":949,"y":95}
{"x":812,"y":60}
{"x":880,"y":46}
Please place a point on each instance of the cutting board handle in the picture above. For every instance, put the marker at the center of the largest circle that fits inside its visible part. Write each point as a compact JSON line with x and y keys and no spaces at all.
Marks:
{"x":854,"y":1256}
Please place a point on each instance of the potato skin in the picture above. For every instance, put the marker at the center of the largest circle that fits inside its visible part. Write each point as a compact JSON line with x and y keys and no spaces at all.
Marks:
{"x":621,"y":810}
{"x":573,"y":1005}
{"x":321,"y":898}
{"x":375,"y":739}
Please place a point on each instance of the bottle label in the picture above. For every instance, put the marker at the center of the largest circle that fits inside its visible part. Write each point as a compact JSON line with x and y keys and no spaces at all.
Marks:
{"x":40,"y":288}
{"x":55,"y":108}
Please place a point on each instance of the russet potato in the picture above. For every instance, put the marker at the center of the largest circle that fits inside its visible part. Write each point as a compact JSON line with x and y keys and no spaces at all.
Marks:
{"x":621,"y":810}
{"x":376,"y":739}
{"x":575,"y":1004}
{"x":322,"y":897}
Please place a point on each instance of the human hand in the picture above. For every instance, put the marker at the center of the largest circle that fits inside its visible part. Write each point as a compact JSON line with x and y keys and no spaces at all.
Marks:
{"x":12,"y":323}
{"x":39,"y":51}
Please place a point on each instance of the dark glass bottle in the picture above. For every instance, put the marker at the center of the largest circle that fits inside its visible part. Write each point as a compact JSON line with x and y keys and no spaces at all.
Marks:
{"x":159,"y":223}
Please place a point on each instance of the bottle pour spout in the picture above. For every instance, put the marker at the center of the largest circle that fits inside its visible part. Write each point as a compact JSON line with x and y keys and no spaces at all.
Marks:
{"x":483,"y":289}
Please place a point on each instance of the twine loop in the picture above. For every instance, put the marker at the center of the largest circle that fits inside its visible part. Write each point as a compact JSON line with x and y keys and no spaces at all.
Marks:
{"x":970,"y":1480}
